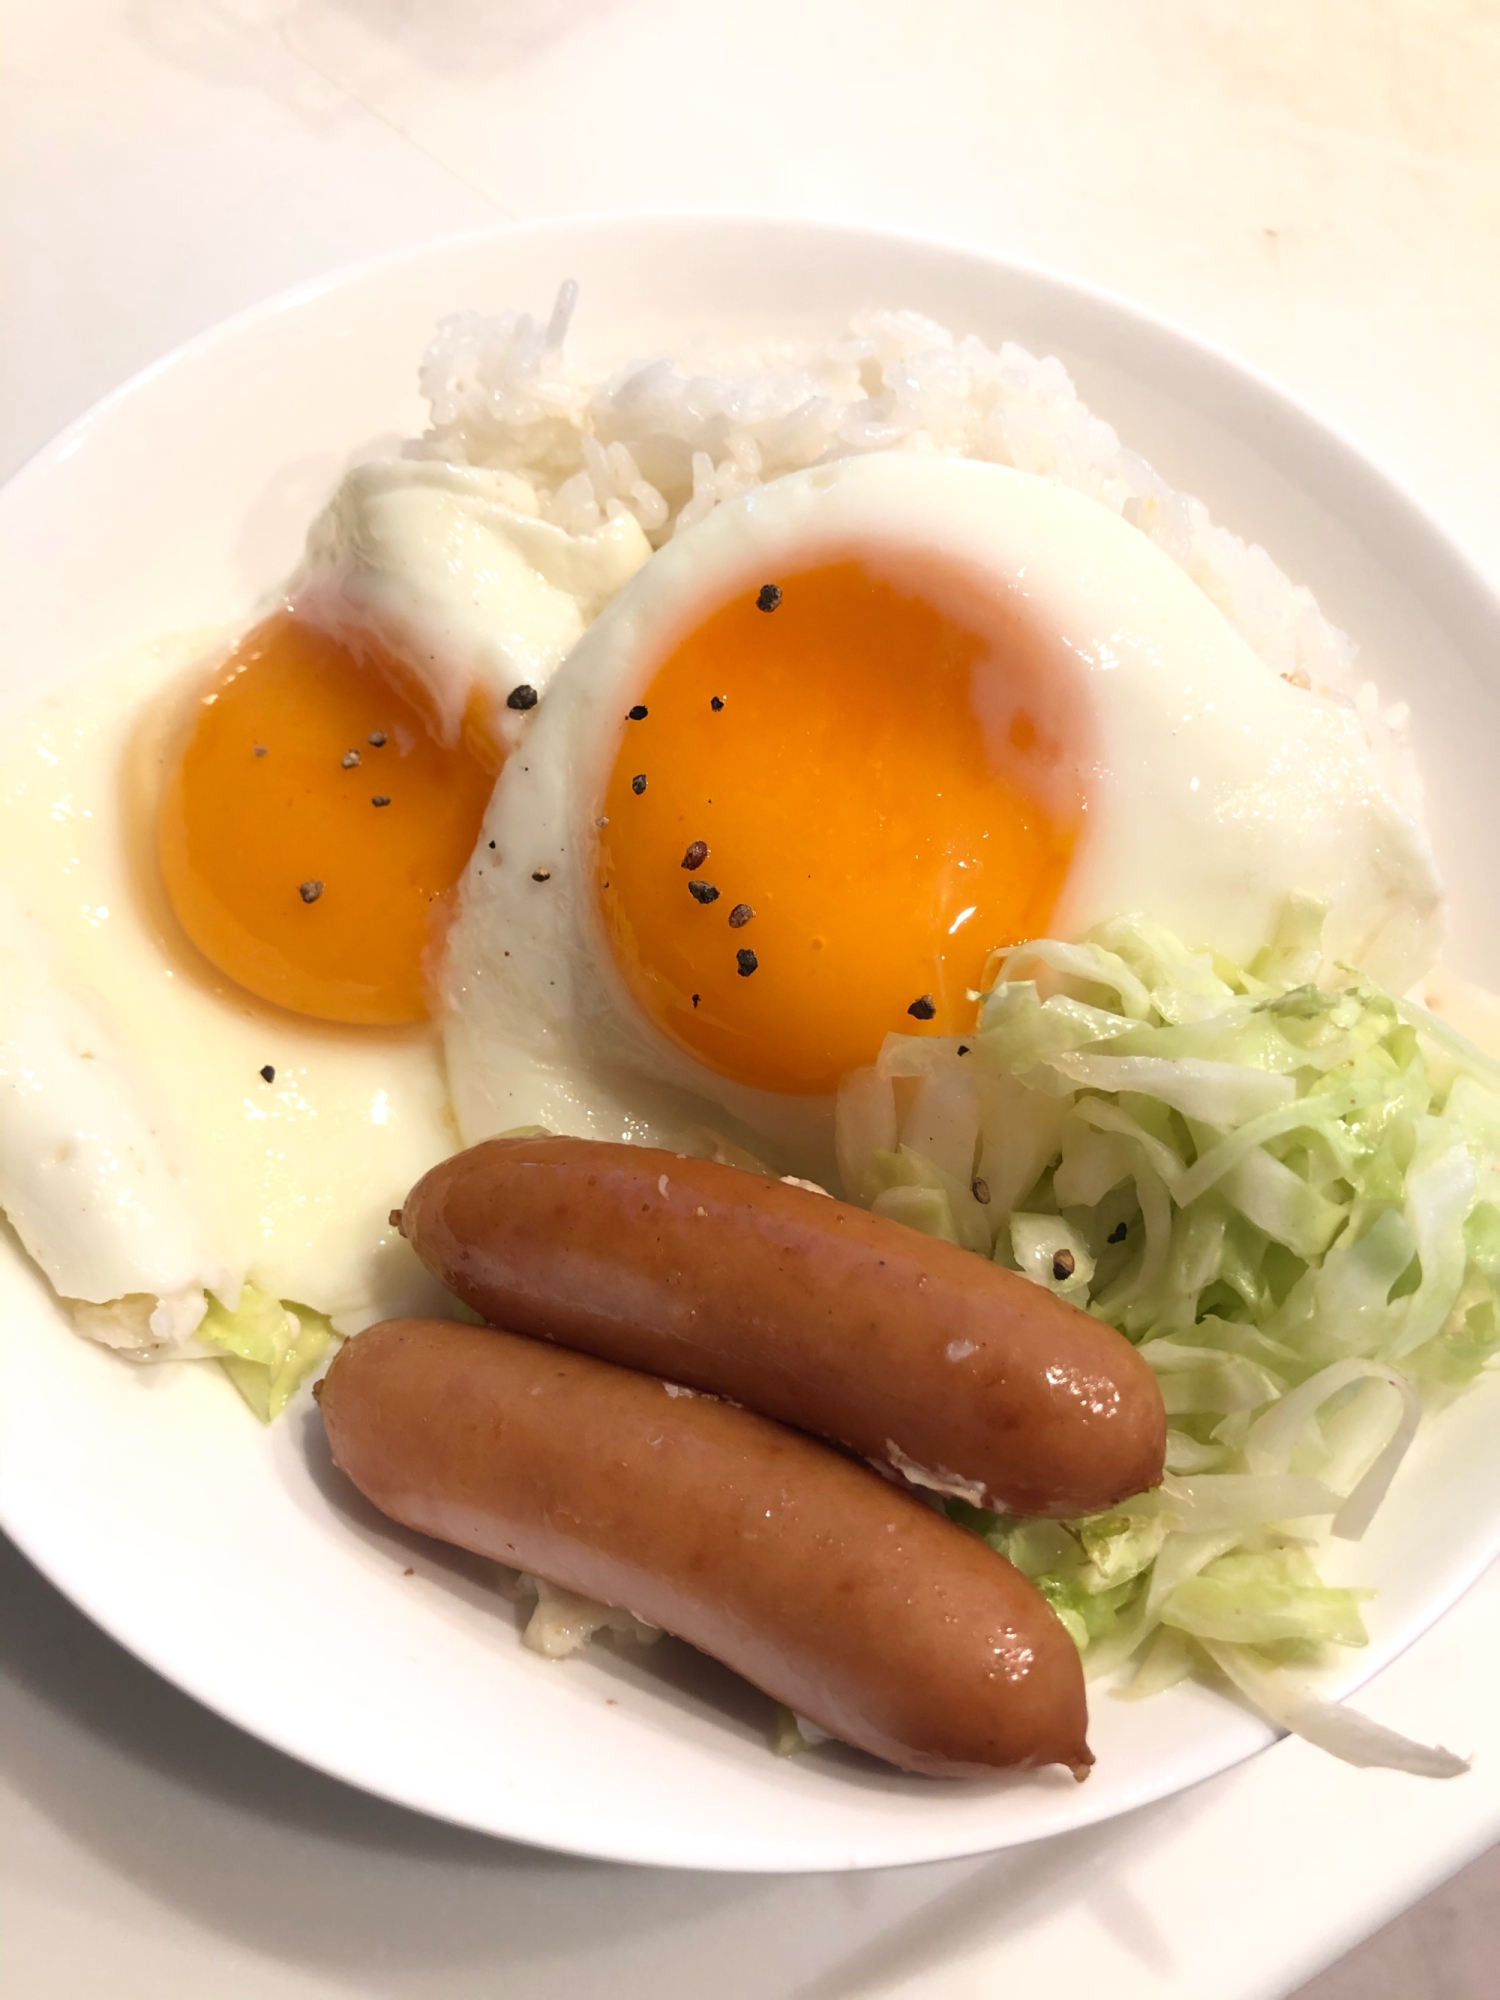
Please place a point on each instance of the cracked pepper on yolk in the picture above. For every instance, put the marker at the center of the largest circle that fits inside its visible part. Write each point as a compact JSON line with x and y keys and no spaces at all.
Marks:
{"x":887,"y":769}
{"x":279,"y":864}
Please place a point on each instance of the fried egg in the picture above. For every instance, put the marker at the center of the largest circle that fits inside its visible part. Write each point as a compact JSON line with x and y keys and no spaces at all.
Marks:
{"x":226,"y":871}
{"x":839,"y":743}
{"x":283,"y":1139}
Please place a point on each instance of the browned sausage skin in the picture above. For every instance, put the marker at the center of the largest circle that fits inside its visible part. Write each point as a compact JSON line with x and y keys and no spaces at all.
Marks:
{"x":826,"y":1586}
{"x":908,"y":1350}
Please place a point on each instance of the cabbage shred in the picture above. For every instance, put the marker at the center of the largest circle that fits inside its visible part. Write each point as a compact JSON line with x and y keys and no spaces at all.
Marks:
{"x":267,"y":1348}
{"x":1283,"y":1185}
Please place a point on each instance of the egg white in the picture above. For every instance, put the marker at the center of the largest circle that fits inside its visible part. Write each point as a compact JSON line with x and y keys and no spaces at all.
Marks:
{"x":453,"y":569}
{"x":1215,"y":788}
{"x":91,"y":1177}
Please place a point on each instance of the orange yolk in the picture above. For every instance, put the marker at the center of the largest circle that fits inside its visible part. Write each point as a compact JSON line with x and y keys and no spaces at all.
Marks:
{"x":315,"y":825}
{"x":887,"y":773}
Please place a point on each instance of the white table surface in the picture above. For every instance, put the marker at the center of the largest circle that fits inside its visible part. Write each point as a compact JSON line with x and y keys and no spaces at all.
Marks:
{"x":1315,"y":183}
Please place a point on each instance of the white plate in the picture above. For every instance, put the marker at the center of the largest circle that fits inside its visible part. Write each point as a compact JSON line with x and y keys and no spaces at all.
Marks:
{"x":233,"y":1559}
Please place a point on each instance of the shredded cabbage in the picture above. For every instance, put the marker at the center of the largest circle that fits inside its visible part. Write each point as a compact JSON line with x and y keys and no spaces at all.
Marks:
{"x":1283,"y":1185}
{"x":269,"y":1348}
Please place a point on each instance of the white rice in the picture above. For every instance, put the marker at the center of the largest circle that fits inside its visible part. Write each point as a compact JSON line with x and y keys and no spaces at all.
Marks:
{"x":667,"y":440}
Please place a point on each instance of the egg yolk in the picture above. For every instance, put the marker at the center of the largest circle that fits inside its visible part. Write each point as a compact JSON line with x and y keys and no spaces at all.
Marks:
{"x":832,"y":800}
{"x":315,"y":824}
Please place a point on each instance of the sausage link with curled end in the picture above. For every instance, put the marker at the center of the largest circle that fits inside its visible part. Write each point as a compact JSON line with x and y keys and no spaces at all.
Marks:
{"x":828,"y":1587}
{"x":912,"y":1352}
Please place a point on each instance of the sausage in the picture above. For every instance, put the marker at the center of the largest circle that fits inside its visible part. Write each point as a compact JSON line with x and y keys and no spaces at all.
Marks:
{"x":831,"y":1589}
{"x":909,"y":1351}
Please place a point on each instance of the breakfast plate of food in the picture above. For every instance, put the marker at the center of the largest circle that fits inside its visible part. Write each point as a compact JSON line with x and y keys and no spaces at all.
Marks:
{"x":749,"y":1109}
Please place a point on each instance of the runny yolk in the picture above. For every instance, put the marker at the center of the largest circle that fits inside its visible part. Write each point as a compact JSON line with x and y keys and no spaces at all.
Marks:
{"x":888,"y":773}
{"x":315,"y":825}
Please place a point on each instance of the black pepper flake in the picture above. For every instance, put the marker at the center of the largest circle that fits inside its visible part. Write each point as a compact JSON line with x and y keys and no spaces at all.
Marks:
{"x":981,"y":1191}
{"x":739,"y":916}
{"x":309,"y":891}
{"x":638,"y":783}
{"x":260,"y":749}
{"x":922,"y":1009}
{"x":384,"y":799}
{"x":541,"y":874}
{"x":696,"y":998}
{"x":269,"y":1072}
{"x":696,"y":855}
{"x":638,"y":713}
{"x":492,"y":847}
{"x":769,"y":597}
{"x":747,"y":962}
{"x":716,"y":702}
{"x":523,"y":696}
{"x":1118,"y":1234}
{"x":1063,"y":1266}
{"x":349,"y":759}
{"x":963,"y":1048}
{"x":376,"y":739}
{"x":703,"y":892}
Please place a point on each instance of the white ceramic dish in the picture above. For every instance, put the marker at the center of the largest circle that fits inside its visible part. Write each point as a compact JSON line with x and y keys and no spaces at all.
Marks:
{"x":233,"y":1559}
